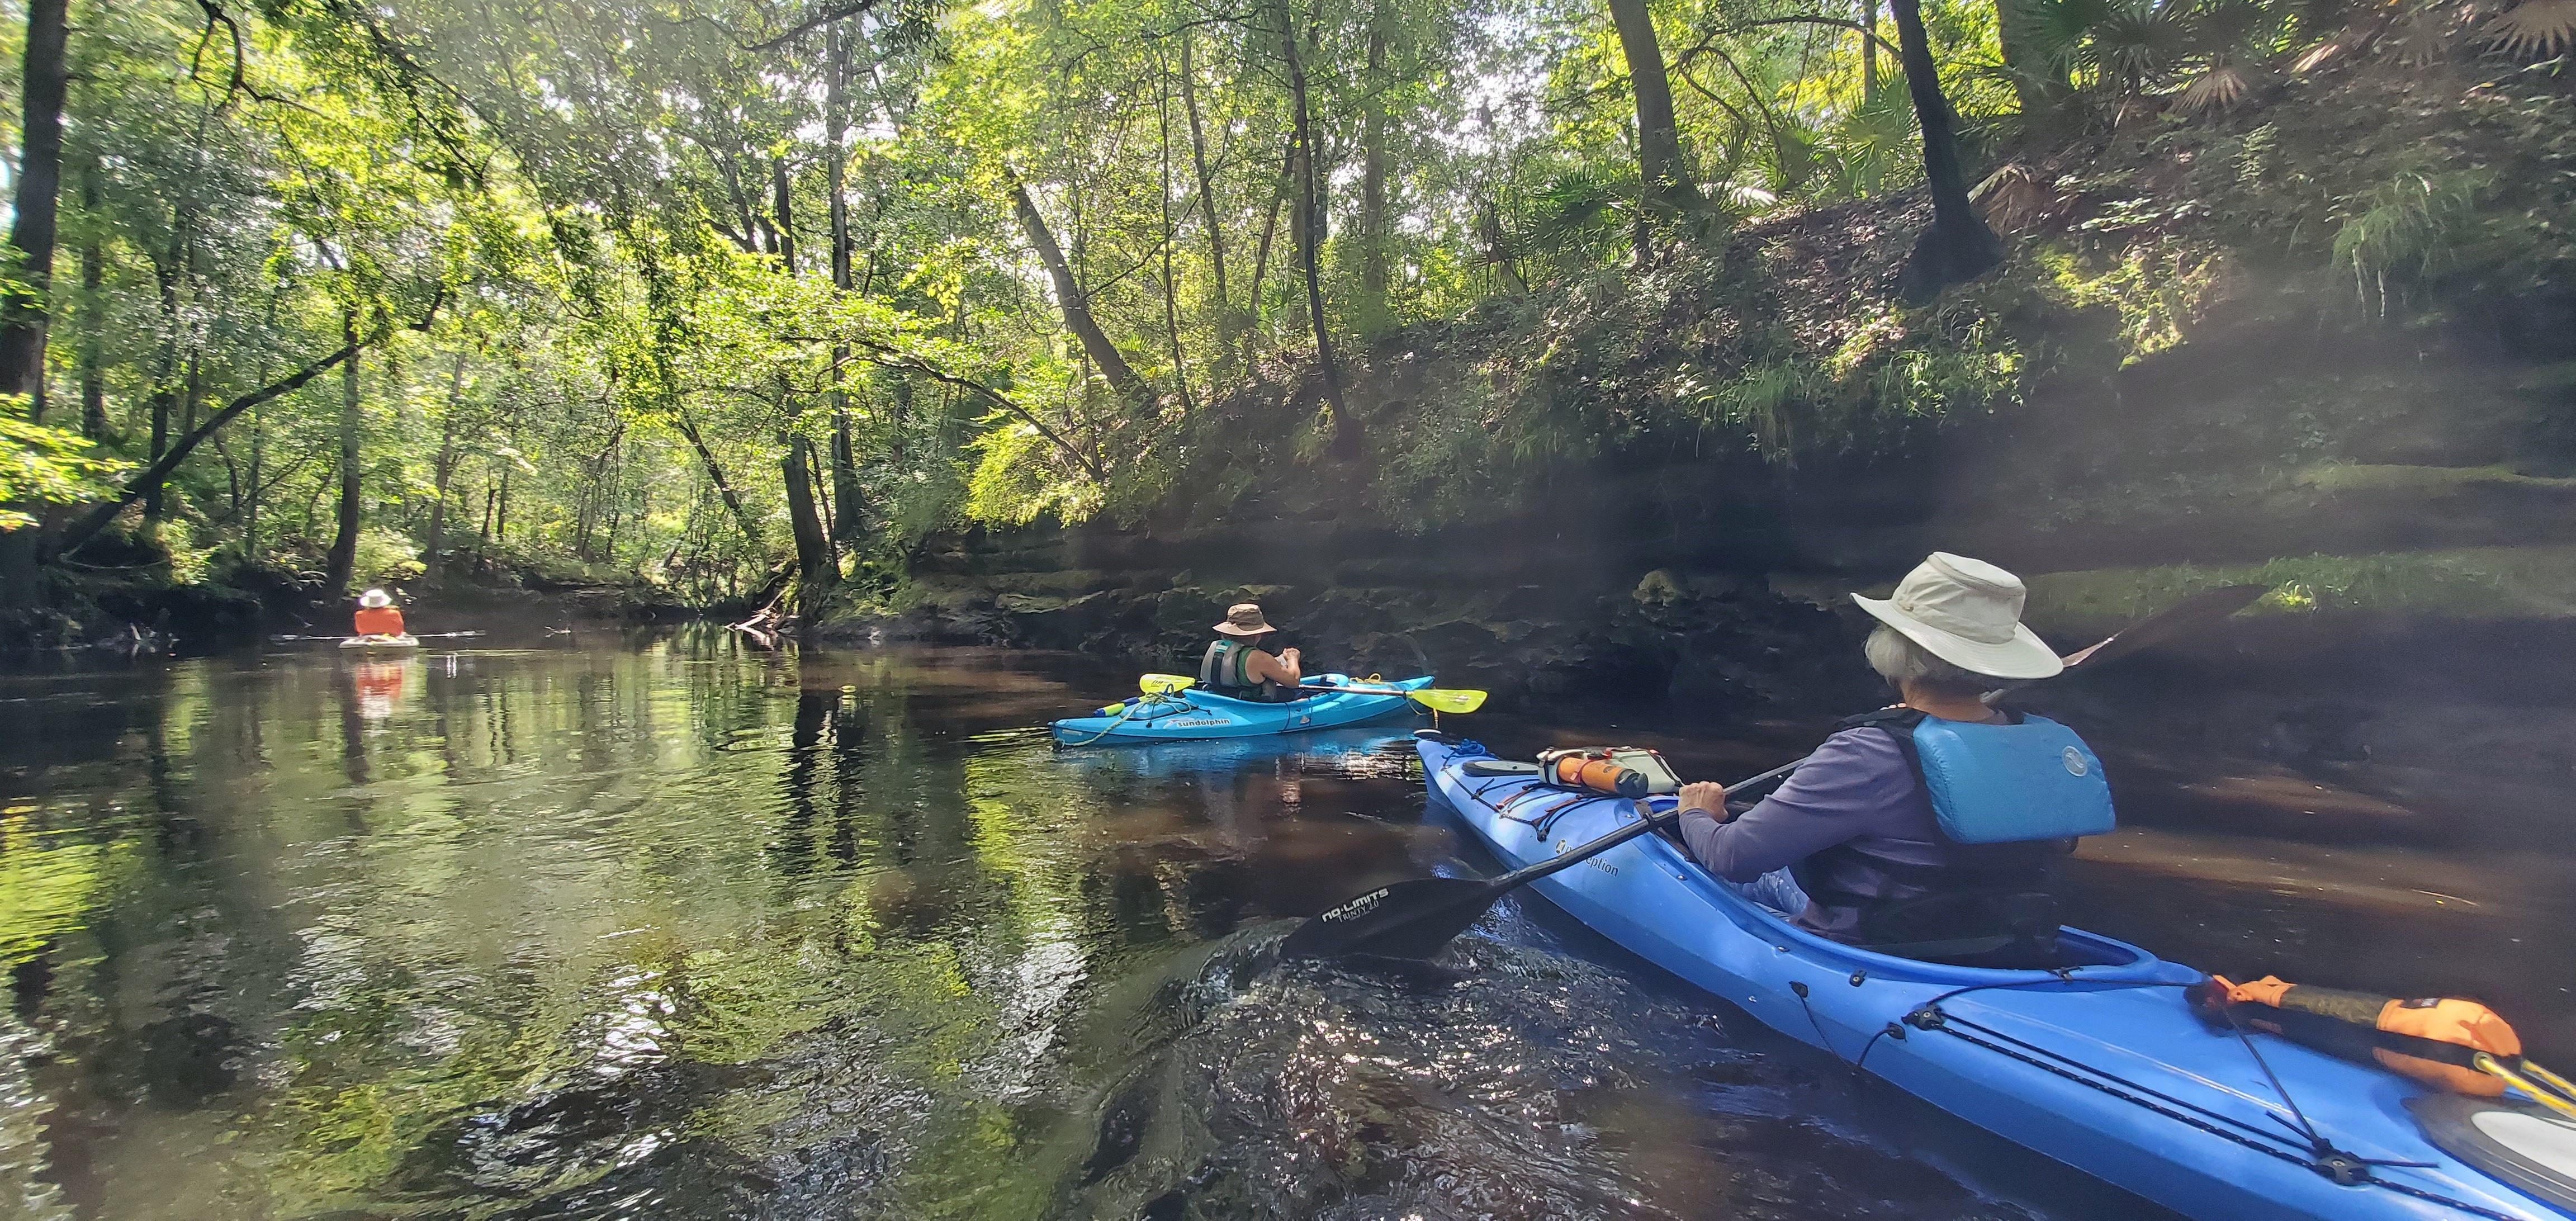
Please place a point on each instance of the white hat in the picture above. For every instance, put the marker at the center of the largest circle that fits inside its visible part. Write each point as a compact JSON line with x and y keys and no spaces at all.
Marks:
{"x":375,"y":597}
{"x":1968,"y":613}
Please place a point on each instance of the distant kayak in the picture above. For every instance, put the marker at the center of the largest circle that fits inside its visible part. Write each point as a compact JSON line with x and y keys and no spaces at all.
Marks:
{"x":381,"y":642}
{"x":1182,"y":716}
{"x":2100,"y":1065}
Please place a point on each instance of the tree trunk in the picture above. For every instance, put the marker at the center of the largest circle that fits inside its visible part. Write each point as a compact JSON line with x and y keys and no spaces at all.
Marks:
{"x":40,"y":181}
{"x":1261,"y":254}
{"x":1347,"y":440}
{"x":814,"y":570}
{"x":1171,"y":284}
{"x":344,"y":543}
{"x":1229,"y":324}
{"x":258,"y":489}
{"x":93,"y":380}
{"x":167,"y":274}
{"x":160,"y":447}
{"x":1869,"y":50}
{"x":845,"y":464}
{"x":1374,"y":318}
{"x":442,"y":467}
{"x":1076,"y":306}
{"x":1666,"y":189}
{"x":1958,"y":247}
{"x":781,"y":194}
{"x":716,"y":475}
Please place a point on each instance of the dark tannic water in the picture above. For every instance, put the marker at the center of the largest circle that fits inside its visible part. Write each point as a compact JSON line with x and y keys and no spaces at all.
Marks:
{"x":653,"y":926}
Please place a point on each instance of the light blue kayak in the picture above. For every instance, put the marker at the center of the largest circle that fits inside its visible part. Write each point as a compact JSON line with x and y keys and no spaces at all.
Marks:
{"x":1193,"y":715}
{"x":2101,"y":1066}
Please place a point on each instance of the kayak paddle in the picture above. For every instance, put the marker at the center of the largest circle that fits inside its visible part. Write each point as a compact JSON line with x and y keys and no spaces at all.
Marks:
{"x":1443,"y":699}
{"x":1414,"y":919}
{"x":415,"y":636}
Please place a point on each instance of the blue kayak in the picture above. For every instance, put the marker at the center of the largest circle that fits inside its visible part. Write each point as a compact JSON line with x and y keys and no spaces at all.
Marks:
{"x":2102,"y":1066}
{"x":1182,"y":716}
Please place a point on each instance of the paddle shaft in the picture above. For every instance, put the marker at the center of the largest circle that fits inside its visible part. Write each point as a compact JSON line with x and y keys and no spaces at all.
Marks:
{"x":1600,"y":844}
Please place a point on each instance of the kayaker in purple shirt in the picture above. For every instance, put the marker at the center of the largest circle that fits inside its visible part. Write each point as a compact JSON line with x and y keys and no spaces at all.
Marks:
{"x":1849,"y":847}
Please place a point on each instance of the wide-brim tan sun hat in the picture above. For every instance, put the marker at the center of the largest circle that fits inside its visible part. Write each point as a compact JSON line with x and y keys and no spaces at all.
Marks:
{"x":375,"y":597}
{"x":1244,"y":619}
{"x":1967,"y":612}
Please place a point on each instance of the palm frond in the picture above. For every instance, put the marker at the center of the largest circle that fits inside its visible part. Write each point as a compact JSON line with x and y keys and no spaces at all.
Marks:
{"x":2013,"y":199}
{"x":2535,"y":28}
{"x":2219,"y":87}
{"x":2327,"y":52}
{"x":2424,"y":37}
{"x":2141,"y":41}
{"x":2053,"y":33}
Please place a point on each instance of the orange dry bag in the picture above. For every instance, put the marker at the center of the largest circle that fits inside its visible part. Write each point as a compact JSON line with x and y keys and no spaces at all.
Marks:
{"x":1620,"y":771}
{"x":2439,"y":1040}
{"x":1576,"y":771}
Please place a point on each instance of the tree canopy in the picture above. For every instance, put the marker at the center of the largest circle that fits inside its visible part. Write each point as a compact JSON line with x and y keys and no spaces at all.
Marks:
{"x":694,"y":290}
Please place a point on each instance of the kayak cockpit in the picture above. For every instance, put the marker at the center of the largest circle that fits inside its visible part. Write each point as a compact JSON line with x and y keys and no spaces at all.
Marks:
{"x":2093,"y":955}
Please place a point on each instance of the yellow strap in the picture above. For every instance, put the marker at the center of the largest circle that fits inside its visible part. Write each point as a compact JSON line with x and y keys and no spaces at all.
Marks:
{"x":2541,"y":1094}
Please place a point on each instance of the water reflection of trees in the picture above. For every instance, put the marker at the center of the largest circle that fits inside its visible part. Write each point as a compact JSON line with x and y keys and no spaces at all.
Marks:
{"x":494,"y":933}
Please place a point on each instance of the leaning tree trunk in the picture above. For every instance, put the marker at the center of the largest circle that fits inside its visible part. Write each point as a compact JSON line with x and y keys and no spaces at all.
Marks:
{"x":1076,"y":305}
{"x":40,"y":181}
{"x":1347,"y":439}
{"x":1666,"y":189}
{"x":344,"y":543}
{"x":1958,"y":247}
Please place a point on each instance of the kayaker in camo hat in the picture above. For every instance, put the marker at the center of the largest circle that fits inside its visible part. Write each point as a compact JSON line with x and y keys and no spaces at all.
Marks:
{"x":1932,"y":828}
{"x":1234,"y":664}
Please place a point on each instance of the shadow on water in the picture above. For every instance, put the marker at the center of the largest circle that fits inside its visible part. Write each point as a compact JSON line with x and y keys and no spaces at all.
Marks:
{"x":650,"y":926}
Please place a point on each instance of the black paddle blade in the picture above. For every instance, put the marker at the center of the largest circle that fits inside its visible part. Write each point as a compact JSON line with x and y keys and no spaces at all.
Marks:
{"x":2205,"y":606}
{"x":1406,"y":920}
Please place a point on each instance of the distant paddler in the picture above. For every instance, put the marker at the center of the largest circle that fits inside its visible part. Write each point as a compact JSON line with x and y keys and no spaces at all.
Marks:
{"x":378,"y":618}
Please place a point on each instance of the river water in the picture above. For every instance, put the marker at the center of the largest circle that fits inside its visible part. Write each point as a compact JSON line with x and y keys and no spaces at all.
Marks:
{"x":651,"y":925}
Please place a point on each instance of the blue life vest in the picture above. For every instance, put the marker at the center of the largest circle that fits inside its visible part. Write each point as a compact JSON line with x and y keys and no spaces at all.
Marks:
{"x":2005,"y":784}
{"x":2008,"y":802}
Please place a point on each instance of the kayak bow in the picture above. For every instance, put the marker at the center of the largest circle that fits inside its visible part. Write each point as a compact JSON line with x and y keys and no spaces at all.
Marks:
{"x":2099,"y":1065}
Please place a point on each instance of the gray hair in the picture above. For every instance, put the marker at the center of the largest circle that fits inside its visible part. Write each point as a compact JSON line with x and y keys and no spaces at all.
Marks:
{"x":1899,"y":660}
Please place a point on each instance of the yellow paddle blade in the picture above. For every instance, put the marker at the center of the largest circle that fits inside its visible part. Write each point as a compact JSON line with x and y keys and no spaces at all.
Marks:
{"x":1448,"y":700}
{"x":1157,"y":684}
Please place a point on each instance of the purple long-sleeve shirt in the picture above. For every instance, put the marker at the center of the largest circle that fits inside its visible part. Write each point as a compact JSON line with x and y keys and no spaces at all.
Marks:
{"x":1856,"y":789}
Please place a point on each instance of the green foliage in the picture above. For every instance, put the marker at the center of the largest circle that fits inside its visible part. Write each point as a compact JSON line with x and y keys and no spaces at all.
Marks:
{"x":42,"y":466}
{"x":2407,"y":228}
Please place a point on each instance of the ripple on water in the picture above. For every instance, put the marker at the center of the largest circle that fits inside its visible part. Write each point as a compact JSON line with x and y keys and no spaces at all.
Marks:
{"x":1500,"y":1082}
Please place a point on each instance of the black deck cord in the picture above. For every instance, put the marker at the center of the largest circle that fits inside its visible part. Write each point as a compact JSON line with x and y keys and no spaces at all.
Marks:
{"x":2330,"y":1160}
{"x":2347,"y":1163}
{"x":2056,"y":975}
{"x":2248,"y":1142}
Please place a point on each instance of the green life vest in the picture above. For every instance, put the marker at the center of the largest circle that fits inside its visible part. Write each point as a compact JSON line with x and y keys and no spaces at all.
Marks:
{"x":1224,"y":670}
